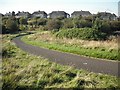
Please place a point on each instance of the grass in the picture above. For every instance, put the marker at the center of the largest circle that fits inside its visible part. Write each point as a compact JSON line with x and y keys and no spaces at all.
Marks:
{"x":23,"y":70}
{"x":97,"y":49}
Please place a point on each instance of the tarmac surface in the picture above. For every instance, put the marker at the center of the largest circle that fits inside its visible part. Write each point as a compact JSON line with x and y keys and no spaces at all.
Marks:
{"x":77,"y":61}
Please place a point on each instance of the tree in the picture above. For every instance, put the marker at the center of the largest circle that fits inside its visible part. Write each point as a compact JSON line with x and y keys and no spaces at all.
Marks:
{"x":11,"y":25}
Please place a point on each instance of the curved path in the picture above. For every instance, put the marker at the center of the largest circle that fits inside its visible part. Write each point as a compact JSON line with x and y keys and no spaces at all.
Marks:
{"x":90,"y":64}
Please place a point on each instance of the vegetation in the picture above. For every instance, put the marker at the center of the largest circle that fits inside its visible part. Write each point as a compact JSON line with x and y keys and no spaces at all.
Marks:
{"x":11,"y":25}
{"x":37,"y":21}
{"x":89,"y":36}
{"x":106,"y":28}
{"x":2,"y":29}
{"x":54,"y":24}
{"x":23,"y":27}
{"x":69,"y":23}
{"x":82,"y":28}
{"x":48,"y":41}
{"x":23,"y":21}
{"x":41,"y":21}
{"x":23,"y":70}
{"x":82,"y":33}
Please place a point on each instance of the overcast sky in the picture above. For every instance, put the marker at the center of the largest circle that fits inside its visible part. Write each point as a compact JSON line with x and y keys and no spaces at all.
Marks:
{"x":69,"y":6}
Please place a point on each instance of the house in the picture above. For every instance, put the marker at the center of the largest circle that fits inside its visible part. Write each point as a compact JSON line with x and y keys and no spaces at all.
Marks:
{"x":80,"y":13}
{"x":10,"y":14}
{"x":106,"y":16}
{"x":40,"y":14}
{"x":22,"y":14}
{"x":57,"y":14}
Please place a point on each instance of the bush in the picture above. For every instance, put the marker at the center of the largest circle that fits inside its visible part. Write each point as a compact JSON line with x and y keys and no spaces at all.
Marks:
{"x":37,"y":22}
{"x":84,"y":23}
{"x":97,"y":24}
{"x":32,"y":21}
{"x":9,"y":24}
{"x":82,"y":33}
{"x":41,"y":21}
{"x":67,"y":23}
{"x":23,"y":21}
{"x":115,"y":26}
{"x":105,"y":27}
{"x":54,"y":24}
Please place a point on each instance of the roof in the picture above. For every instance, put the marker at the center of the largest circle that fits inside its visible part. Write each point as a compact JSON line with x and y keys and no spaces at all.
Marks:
{"x":22,"y":13}
{"x":58,"y":12}
{"x":39,"y":12}
{"x":81,"y":13}
{"x":106,"y":14}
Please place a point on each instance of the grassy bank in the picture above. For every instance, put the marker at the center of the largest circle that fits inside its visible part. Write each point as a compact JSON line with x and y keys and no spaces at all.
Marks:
{"x":97,"y":49}
{"x":23,"y":70}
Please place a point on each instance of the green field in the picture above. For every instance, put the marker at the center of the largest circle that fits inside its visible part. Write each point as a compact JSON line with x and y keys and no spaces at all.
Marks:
{"x":23,"y":70}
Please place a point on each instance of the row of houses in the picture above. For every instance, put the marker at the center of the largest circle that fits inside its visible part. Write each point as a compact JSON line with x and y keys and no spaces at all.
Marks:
{"x":57,"y":14}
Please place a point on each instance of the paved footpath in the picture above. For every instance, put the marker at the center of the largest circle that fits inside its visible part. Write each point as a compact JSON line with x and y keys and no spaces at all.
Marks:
{"x":90,"y":64}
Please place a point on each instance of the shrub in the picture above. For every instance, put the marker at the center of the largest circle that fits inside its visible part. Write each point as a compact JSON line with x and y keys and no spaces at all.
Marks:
{"x":67,"y":23}
{"x":82,"y":33}
{"x":23,"y":21}
{"x":54,"y":24}
{"x":41,"y":21}
{"x":105,"y":27}
{"x":84,"y":23}
{"x":115,"y":25}
{"x":97,"y":24}
{"x":32,"y":22}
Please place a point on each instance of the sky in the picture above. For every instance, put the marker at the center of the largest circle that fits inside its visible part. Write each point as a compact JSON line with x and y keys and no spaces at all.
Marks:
{"x":68,"y":6}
